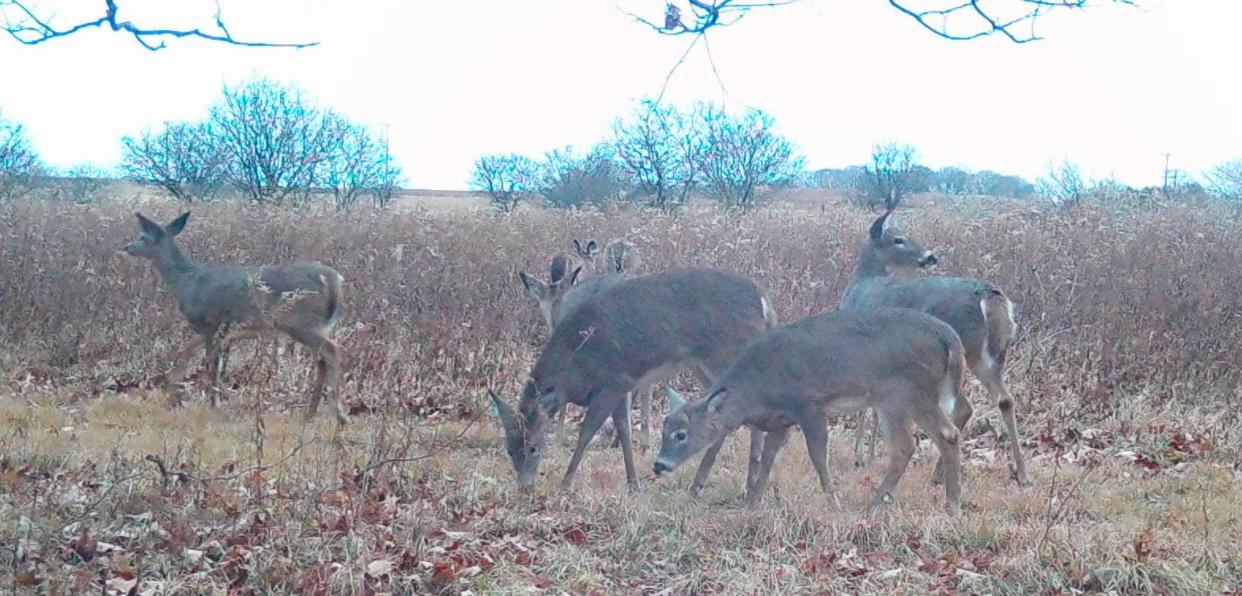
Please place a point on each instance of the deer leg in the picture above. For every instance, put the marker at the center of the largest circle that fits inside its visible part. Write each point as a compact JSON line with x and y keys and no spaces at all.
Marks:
{"x":815,"y":431}
{"x":212,"y":343}
{"x":962,"y":411}
{"x":900,"y":435}
{"x":181,"y":369}
{"x":991,"y":378}
{"x":754,"y":461}
{"x":946,"y":436}
{"x":875,"y":432}
{"x":644,"y":410}
{"x":621,"y":420}
{"x":328,"y":370}
{"x":772,"y":444}
{"x":597,"y":412}
{"x":705,"y":467}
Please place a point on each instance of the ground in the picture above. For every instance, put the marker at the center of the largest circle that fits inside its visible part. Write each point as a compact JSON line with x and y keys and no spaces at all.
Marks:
{"x":1125,"y":374}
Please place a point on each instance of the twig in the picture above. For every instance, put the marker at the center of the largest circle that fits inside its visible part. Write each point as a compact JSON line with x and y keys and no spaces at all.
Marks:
{"x":430,"y":454}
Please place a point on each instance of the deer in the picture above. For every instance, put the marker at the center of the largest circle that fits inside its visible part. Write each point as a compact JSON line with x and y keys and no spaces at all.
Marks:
{"x":565,"y":290}
{"x":637,"y":332}
{"x":981,"y":314}
{"x":619,"y":256}
{"x":302,"y":301}
{"x":904,"y":364}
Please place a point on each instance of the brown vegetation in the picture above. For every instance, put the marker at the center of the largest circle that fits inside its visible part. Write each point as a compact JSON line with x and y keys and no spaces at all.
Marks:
{"x":1126,"y":366}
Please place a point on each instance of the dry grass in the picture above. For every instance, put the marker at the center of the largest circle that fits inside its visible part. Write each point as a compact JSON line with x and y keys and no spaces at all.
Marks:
{"x":1126,"y":374}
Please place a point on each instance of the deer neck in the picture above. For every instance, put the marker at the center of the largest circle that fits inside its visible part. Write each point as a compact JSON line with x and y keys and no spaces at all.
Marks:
{"x":870,"y":266}
{"x":172,"y":264}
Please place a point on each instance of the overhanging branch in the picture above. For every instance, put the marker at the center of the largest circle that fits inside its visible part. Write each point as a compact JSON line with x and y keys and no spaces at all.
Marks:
{"x":23,"y":23}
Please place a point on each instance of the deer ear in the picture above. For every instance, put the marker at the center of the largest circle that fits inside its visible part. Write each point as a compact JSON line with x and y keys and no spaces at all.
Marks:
{"x":879,"y":225}
{"x":717,"y":399}
{"x":536,"y":288}
{"x":592,"y":247}
{"x":573,"y":277}
{"x":178,"y":224}
{"x":578,"y":248}
{"x":675,"y":401}
{"x":149,"y":227}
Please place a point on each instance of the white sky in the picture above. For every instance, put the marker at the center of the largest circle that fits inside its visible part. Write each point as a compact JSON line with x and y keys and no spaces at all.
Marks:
{"x":1112,"y":89}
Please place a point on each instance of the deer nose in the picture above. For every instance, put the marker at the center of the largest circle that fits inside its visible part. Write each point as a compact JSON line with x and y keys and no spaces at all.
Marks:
{"x":928,"y":260}
{"x":661,"y":467}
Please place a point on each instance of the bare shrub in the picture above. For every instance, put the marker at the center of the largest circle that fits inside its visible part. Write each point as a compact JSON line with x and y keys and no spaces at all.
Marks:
{"x":357,"y":165}
{"x":1225,"y":181}
{"x":565,"y":179}
{"x":892,"y":175}
{"x":84,"y":184}
{"x":20,"y":167}
{"x":275,"y":140}
{"x":743,"y":155}
{"x":1063,"y":184}
{"x":505,"y":178}
{"x":660,"y":147}
{"x":186,"y":160}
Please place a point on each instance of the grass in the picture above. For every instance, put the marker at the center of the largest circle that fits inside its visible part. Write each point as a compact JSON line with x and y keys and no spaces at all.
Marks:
{"x":1125,"y":374}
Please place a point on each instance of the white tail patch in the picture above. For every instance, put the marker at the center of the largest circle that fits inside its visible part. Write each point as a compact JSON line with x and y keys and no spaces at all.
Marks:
{"x":948,"y":397}
{"x":985,"y":353}
{"x":769,"y":315}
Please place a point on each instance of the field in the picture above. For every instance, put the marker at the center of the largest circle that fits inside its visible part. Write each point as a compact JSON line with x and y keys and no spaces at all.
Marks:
{"x":1126,"y":373}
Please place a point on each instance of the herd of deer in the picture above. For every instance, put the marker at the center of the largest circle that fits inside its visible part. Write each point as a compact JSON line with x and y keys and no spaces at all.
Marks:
{"x":897,"y":345}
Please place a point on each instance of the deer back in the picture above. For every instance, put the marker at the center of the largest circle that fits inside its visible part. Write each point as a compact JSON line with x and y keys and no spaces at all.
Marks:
{"x":643,"y":323}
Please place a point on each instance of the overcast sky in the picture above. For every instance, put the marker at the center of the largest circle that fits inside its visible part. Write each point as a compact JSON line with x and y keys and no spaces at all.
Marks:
{"x":1112,"y":89}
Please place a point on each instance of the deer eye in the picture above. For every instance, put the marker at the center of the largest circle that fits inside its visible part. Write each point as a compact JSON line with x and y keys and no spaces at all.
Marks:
{"x":680,"y":436}
{"x":899,"y":241}
{"x":532,"y":450}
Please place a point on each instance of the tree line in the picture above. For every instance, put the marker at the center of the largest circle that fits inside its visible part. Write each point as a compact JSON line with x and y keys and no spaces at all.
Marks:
{"x":269,"y":143}
{"x":262,"y":140}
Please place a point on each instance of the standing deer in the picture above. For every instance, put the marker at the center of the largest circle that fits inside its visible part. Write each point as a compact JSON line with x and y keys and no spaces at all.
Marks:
{"x":566,"y":289}
{"x":978,"y":311}
{"x":303,"y":301}
{"x":636,"y":333}
{"x":905,"y":365}
{"x":619,"y":256}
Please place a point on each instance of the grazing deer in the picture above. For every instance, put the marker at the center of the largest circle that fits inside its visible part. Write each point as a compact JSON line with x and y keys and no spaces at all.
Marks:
{"x":303,"y":301}
{"x":978,"y":311}
{"x":636,"y":333}
{"x":566,"y":289}
{"x":905,"y":365}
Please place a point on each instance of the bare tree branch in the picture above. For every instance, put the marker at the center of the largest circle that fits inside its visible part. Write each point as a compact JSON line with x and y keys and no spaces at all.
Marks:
{"x":23,"y":24}
{"x":706,"y":15}
{"x":956,"y":20}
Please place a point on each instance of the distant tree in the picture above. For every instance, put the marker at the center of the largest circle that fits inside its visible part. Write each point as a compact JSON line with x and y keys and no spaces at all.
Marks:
{"x":83,"y":184}
{"x":892,"y":175}
{"x":1225,"y":181}
{"x":950,"y":181}
{"x":20,"y":167}
{"x":357,"y":165}
{"x":276,"y":141}
{"x":183,"y":159}
{"x":505,"y":179}
{"x":567,"y":180}
{"x":1063,"y":183}
{"x":659,"y":146}
{"x":743,"y":155}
